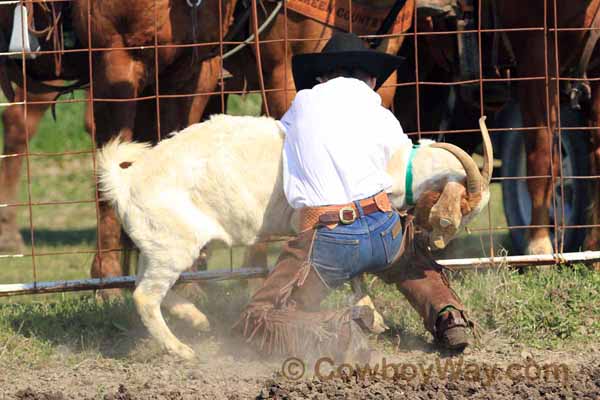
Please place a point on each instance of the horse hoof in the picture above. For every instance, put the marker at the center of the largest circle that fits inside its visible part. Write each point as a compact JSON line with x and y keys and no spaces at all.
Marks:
{"x":595,"y":266}
{"x":540,"y":246}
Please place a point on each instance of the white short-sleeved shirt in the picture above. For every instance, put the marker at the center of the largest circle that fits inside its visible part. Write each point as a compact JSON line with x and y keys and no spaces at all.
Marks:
{"x":339,"y":139}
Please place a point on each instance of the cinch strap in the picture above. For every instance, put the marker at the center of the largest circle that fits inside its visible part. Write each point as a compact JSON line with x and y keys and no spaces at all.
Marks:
{"x":409,"y":176}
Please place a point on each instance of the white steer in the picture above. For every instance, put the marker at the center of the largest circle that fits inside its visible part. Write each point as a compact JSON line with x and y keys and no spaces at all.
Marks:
{"x":222,"y":180}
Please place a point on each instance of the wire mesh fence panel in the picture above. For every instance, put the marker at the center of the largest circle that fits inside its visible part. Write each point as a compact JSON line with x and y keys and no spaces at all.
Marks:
{"x":75,"y":75}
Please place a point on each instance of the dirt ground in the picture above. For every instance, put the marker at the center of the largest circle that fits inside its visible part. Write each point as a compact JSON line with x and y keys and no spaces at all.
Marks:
{"x":226,"y":371}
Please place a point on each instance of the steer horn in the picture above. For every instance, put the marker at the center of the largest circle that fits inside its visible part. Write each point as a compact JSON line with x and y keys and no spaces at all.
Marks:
{"x":476,"y":181}
{"x":488,"y":153}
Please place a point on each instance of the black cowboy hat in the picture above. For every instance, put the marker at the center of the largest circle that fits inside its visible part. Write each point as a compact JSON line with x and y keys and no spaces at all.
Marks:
{"x":347,"y":51}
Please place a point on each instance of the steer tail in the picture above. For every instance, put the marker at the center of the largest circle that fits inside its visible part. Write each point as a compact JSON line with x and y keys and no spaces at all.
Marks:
{"x":114,"y":175}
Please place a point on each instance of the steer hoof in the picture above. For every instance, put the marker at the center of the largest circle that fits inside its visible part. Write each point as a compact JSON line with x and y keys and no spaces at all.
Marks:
{"x":183,"y":351}
{"x":202,"y":324}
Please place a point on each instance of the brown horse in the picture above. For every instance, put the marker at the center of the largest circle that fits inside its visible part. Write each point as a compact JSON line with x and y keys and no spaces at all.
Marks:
{"x":124,"y":67}
{"x":537,"y":53}
{"x":293,"y":33}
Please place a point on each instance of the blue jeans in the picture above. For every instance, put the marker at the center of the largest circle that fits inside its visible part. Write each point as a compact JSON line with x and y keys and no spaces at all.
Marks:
{"x":369,"y":244}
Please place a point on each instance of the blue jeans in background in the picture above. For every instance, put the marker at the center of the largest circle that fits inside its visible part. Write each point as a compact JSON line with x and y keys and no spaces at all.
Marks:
{"x":369,"y":244}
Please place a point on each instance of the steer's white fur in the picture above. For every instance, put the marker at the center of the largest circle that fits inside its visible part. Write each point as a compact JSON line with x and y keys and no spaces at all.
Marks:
{"x":218,"y":180}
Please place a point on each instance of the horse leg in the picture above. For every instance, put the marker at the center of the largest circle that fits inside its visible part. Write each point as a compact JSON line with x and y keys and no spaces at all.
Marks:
{"x":178,"y":113}
{"x":117,"y":76}
{"x":539,"y":153}
{"x":539,"y":149}
{"x":592,"y":240}
{"x":15,"y":142}
{"x":276,"y":59}
{"x":89,"y":116}
{"x":280,"y":78}
{"x":210,"y":72}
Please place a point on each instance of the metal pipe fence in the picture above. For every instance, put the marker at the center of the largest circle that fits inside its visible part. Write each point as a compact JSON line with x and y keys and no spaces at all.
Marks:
{"x":488,"y":236}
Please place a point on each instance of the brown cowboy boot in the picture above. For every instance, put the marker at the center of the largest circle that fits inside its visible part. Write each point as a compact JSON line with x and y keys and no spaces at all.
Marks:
{"x":451,"y":329}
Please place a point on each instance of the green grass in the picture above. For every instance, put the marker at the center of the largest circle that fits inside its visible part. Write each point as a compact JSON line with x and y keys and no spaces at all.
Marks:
{"x":35,"y":330}
{"x":58,"y":228}
{"x":244,"y":105}
{"x":66,"y":133}
{"x":82,"y":327}
{"x":547,"y":308}
{"x":551,"y":309}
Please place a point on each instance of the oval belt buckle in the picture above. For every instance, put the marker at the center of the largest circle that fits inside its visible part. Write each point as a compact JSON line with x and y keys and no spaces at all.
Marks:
{"x":343,"y":212}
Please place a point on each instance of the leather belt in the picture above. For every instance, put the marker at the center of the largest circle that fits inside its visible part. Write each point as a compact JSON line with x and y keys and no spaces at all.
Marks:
{"x":345,"y":214}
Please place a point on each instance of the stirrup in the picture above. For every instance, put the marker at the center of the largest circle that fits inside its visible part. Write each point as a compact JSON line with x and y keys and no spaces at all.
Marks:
{"x":20,"y":37}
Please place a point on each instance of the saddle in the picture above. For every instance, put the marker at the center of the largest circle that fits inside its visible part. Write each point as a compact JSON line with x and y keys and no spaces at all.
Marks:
{"x":364,"y":17}
{"x":498,"y":58}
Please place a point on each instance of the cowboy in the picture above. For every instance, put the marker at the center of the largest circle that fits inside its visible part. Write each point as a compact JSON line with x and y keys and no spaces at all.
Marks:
{"x":339,"y":139}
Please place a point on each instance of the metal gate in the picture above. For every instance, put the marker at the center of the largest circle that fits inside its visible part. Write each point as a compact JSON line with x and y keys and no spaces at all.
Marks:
{"x":462,"y":61}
